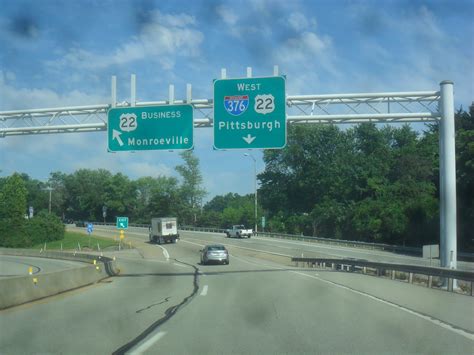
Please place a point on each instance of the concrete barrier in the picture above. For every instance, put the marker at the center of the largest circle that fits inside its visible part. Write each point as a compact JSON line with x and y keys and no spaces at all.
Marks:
{"x":15,"y":291}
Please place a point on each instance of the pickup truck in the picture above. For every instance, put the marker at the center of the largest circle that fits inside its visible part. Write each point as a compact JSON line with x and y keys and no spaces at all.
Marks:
{"x":238,"y":231}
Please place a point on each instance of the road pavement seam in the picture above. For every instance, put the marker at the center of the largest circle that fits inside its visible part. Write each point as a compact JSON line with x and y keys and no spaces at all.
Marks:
{"x":170,"y":312}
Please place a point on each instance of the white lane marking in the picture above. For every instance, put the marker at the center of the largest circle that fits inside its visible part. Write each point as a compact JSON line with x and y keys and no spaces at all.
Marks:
{"x":204,"y":290}
{"x":187,"y":241}
{"x":147,"y":344}
{"x":154,"y":261}
{"x":181,"y":265}
{"x":165,"y":252}
{"x":432,"y":320}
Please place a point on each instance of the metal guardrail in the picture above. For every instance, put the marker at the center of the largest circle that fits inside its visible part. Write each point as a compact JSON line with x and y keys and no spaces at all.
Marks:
{"x":380,"y":269}
{"x":202,"y":229}
{"x":349,"y":243}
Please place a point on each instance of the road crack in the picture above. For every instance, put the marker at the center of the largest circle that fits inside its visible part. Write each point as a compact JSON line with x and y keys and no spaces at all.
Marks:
{"x":153,"y":305}
{"x":170,"y":312}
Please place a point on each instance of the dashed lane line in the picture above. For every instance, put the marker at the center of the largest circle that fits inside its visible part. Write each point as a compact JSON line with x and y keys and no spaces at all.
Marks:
{"x":147,"y":344}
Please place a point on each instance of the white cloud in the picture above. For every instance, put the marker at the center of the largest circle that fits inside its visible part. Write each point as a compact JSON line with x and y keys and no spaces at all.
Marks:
{"x":14,"y":98}
{"x":307,"y":51}
{"x":138,"y":169}
{"x":163,"y":39}
{"x":298,"y":21}
{"x":229,"y":17}
{"x":307,"y":44}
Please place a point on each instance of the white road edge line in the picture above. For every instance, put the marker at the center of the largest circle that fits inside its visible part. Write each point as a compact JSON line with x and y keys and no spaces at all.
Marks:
{"x":165,"y":252}
{"x":245,"y":248}
{"x":147,"y":344}
{"x":204,"y":290}
{"x":432,"y":320}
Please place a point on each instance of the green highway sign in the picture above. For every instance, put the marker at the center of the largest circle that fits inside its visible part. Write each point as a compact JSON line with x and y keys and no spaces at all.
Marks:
{"x":250,"y":113}
{"x":167,"y":127}
{"x":122,"y":222}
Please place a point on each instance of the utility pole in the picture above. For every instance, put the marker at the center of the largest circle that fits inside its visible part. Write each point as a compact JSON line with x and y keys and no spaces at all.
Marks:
{"x":50,"y":189}
{"x":255,"y":186}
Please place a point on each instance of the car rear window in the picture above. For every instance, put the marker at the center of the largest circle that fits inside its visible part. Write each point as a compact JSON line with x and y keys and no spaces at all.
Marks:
{"x":216,"y":247}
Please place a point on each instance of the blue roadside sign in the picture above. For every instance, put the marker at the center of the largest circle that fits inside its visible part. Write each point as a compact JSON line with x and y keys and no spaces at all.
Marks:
{"x":90,"y":228}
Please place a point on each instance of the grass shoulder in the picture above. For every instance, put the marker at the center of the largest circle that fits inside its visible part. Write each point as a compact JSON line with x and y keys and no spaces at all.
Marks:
{"x":74,"y":240}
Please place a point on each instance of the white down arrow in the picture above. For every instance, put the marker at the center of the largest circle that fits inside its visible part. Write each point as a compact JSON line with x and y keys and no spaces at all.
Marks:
{"x":249,"y":139}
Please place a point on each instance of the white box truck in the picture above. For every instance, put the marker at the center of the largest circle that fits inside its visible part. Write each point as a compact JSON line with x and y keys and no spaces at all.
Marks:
{"x":164,"y":230}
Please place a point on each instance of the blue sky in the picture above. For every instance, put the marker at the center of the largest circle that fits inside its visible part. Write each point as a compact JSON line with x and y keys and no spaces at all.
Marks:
{"x":63,"y":53}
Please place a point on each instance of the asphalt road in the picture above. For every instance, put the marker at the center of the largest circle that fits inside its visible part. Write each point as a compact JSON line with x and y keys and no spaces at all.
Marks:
{"x":11,"y":266}
{"x":293,"y":248}
{"x":164,"y":302}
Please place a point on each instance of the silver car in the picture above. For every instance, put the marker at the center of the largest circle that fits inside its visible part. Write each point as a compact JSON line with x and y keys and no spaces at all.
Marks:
{"x":214,"y":253}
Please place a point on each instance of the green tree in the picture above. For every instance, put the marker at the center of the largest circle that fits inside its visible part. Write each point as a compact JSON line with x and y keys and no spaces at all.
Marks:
{"x":363,"y":183}
{"x":13,"y":197}
{"x":191,"y":191}
{"x":165,"y":199}
{"x":465,"y":177}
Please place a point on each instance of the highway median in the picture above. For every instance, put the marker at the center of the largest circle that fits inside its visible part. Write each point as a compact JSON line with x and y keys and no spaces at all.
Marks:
{"x":19,"y":290}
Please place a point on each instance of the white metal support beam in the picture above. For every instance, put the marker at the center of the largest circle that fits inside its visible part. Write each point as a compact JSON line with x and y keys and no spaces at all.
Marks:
{"x":329,"y":109}
{"x":447,"y":171}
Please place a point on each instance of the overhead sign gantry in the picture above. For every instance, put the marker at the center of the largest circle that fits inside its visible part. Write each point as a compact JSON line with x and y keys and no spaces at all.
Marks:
{"x":388,"y":107}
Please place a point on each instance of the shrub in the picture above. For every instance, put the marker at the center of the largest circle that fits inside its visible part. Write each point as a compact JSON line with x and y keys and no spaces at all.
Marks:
{"x":44,"y":228}
{"x":13,"y":234}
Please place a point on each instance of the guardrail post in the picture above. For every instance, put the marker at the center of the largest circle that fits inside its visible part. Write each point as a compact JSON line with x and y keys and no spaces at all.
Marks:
{"x":364,"y":269}
{"x":450,"y":284}
{"x":410,"y":278}
{"x":430,"y":281}
{"x":393,"y":275}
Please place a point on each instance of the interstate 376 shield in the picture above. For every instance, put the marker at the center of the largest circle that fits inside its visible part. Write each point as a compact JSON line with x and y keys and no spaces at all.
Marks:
{"x":236,"y":105}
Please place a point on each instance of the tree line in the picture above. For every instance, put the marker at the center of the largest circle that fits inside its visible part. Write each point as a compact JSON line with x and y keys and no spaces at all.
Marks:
{"x":99,"y":195}
{"x":365,"y":182}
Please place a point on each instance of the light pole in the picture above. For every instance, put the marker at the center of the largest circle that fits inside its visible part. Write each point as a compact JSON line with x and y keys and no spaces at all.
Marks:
{"x":49,"y":189}
{"x":255,"y":185}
